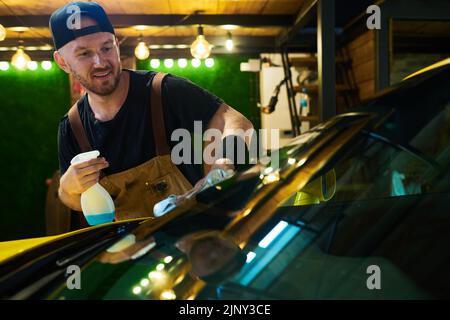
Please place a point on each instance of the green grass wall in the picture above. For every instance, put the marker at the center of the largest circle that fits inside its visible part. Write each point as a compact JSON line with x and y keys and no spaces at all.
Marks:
{"x":33,"y":102}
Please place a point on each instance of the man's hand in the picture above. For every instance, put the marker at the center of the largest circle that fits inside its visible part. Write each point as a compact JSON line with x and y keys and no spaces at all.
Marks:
{"x":222,"y":163}
{"x":81,"y":176}
{"x":77,"y":179}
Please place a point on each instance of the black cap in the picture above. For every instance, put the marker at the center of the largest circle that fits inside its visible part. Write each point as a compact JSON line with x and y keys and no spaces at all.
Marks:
{"x":64,"y":22}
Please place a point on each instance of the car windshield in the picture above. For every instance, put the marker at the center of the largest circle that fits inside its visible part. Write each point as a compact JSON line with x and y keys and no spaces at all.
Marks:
{"x":373,"y":224}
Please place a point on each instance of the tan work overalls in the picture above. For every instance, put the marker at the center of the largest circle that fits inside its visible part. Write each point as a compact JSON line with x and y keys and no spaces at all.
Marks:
{"x":135,"y":191}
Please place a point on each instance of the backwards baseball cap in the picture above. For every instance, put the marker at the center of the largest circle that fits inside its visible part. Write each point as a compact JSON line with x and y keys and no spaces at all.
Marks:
{"x":65,"y":22}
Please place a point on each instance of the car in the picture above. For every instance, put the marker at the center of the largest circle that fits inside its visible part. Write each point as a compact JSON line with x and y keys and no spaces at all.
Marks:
{"x":357,"y":208}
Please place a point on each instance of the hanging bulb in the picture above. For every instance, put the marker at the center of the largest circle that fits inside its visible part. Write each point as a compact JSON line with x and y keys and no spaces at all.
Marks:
{"x":2,"y":32}
{"x":20,"y":59}
{"x":229,"y":43}
{"x":142,"y":51}
{"x":200,"y":48}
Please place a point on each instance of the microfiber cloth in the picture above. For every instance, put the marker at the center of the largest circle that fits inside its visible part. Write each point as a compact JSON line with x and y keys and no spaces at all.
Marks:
{"x":212,"y":178}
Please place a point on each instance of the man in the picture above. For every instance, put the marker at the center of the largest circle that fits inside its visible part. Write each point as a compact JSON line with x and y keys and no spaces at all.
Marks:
{"x":128,"y":116}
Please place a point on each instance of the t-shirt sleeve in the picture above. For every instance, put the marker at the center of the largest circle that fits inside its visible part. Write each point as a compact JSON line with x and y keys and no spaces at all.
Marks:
{"x":67,"y":146}
{"x":188,"y":103}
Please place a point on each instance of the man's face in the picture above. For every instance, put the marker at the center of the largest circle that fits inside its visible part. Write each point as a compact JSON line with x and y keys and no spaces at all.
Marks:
{"x":94,"y":60}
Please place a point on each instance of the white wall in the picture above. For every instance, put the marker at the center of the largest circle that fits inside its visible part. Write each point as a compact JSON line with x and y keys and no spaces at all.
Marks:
{"x":270,"y":77}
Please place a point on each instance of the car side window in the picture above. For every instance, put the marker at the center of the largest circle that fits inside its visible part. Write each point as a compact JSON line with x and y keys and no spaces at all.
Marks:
{"x":377,"y":170}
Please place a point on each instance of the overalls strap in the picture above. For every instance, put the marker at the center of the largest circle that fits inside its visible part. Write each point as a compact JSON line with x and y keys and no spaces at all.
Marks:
{"x":156,"y":109}
{"x":78,"y":129}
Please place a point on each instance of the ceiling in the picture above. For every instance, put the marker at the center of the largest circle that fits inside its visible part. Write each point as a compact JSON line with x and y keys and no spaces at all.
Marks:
{"x":31,"y":7}
{"x":166,"y":22}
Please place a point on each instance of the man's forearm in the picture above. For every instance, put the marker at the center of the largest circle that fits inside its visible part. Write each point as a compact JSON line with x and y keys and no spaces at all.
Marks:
{"x":70,"y":200}
{"x":231,"y":124}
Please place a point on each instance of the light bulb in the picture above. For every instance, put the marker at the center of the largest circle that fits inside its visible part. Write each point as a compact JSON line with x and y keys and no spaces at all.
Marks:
{"x":209,"y":63}
{"x":168,"y":295}
{"x":4,"y":66}
{"x":137,"y":290}
{"x":2,"y":32}
{"x":200,"y":48}
{"x":155,"y":63}
{"x":230,"y":26}
{"x":195,"y":63}
{"x":46,"y":65}
{"x":229,"y":44}
{"x":20,"y":59}
{"x":32,"y":65}
{"x":142,"y":51}
{"x":182,"y":63}
{"x":168,"y":63}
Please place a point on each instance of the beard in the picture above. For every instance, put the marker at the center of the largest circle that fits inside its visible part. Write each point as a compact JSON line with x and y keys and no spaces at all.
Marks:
{"x":99,"y":86}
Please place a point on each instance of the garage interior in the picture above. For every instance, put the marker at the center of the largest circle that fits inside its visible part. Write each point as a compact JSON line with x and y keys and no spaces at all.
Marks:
{"x":317,"y":57}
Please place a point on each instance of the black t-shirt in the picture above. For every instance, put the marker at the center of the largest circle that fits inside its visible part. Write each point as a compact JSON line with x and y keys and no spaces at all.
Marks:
{"x":127,"y":140}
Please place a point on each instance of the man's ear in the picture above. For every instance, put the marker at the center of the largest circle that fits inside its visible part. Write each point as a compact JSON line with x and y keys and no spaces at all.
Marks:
{"x":60,"y":61}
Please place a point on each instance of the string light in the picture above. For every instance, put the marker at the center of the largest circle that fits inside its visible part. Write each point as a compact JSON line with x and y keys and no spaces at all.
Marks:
{"x":168,"y":63}
{"x":168,"y":295}
{"x":32,"y":65}
{"x":155,"y":63}
{"x":182,"y":63}
{"x":137,"y":290}
{"x":195,"y":63}
{"x":46,"y":65}
{"x":209,"y":63}
{"x":4,"y":66}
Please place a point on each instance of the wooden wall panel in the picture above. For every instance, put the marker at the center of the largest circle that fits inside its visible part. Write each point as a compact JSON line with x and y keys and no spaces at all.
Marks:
{"x":366,"y":89}
{"x":362,"y":52}
{"x":364,"y":71}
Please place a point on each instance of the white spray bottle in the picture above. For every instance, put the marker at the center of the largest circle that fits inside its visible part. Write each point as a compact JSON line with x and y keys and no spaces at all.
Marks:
{"x":96,"y":203}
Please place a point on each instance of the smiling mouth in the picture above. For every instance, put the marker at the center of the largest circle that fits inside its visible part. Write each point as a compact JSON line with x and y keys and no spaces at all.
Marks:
{"x":101,"y":75}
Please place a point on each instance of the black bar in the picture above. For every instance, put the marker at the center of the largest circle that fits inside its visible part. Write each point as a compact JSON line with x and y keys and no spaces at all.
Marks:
{"x":383,"y":53}
{"x":303,"y":17}
{"x":290,"y":93}
{"x":326,"y":53}
{"x":420,"y":44}
{"x":417,"y":9}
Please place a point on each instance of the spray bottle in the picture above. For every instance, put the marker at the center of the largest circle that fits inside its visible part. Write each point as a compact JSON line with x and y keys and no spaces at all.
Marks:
{"x":96,"y":203}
